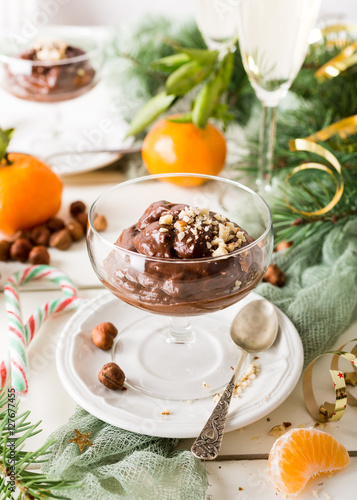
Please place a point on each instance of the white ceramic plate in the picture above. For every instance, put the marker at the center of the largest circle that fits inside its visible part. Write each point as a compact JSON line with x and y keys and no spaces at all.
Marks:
{"x":79,"y":362}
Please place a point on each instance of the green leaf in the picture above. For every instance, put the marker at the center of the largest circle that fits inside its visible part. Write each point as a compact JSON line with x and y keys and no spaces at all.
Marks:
{"x":150,"y":111}
{"x":186,"y":77}
{"x":226,"y":68}
{"x":202,"y":56}
{"x":206,"y":101}
{"x":5,"y":137}
{"x":170,"y":63}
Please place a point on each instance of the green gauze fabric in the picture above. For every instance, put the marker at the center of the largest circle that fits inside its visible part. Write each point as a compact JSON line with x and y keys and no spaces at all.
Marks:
{"x":320,"y":295}
{"x":123,"y":464}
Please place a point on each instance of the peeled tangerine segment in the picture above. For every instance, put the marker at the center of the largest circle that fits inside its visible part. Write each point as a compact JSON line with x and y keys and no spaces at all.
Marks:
{"x":300,"y":454}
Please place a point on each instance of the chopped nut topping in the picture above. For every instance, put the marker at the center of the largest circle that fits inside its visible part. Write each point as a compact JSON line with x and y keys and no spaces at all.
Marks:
{"x":238,"y":284}
{"x":163,"y":230}
{"x":223,"y":232}
{"x":204,"y":211}
{"x":279,"y":430}
{"x":205,"y":385}
{"x":240,"y":236}
{"x":180,"y":225}
{"x":166,"y":219}
{"x":194,"y":221}
{"x":50,"y":50}
{"x":165,"y":412}
{"x":219,"y":251}
{"x":244,"y":381}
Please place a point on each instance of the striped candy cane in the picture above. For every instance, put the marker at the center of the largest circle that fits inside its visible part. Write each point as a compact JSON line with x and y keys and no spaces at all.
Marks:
{"x":20,"y":335}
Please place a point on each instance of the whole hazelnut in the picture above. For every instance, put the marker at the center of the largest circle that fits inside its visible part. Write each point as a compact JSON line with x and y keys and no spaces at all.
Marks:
{"x":112,"y":376}
{"x":283,"y":245}
{"x":22,"y":233}
{"x":83,"y":219}
{"x":20,"y":249}
{"x":5,"y":246}
{"x":76,"y":208}
{"x":55,"y":224}
{"x":275,"y":276}
{"x":61,"y":239}
{"x":100,"y":223}
{"x":39,"y":255}
{"x":40,"y":235}
{"x":76,"y":230}
{"x":103,"y":335}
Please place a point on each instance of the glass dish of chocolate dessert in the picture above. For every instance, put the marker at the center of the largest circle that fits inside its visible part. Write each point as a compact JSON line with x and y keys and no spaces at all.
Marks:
{"x":57,"y":64}
{"x":180,"y":252}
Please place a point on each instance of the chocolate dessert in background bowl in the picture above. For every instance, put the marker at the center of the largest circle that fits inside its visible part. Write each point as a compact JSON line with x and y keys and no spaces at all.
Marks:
{"x":58,"y":65}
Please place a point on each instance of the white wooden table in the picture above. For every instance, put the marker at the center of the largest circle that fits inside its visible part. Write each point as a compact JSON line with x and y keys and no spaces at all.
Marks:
{"x":241,"y":470}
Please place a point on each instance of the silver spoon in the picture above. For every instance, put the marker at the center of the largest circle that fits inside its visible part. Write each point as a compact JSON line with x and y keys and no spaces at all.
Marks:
{"x":254,"y":329}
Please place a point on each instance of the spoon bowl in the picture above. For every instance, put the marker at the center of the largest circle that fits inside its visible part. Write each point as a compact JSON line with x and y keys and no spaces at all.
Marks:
{"x":254,"y":329}
{"x":255,"y":326}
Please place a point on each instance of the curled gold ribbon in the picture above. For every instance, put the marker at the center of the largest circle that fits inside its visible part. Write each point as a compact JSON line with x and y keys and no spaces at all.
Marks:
{"x":345,"y":127}
{"x":308,"y":145}
{"x":330,"y":412}
{"x":344,"y":60}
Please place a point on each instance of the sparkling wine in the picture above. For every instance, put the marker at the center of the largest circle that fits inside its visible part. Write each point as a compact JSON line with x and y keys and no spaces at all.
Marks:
{"x":273,"y":37}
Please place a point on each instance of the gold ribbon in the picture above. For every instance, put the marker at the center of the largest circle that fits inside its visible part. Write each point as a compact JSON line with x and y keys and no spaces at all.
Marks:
{"x":343,"y":128}
{"x":335,"y":28}
{"x":330,"y":412}
{"x":308,"y":145}
{"x":341,"y":62}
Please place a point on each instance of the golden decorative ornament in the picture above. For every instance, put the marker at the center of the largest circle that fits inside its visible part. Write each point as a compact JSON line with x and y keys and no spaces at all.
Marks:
{"x":81,"y":439}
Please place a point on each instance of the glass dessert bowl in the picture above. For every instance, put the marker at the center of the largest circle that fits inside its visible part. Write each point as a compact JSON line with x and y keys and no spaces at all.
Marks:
{"x":50,"y":72}
{"x":198,"y":253}
{"x":58,"y":64}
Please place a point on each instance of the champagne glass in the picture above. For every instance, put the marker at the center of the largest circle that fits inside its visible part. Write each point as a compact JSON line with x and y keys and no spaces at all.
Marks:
{"x":216,"y":20}
{"x":273,"y":37}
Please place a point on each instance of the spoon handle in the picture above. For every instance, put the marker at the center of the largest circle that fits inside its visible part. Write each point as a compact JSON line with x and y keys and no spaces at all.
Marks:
{"x":208,"y":443}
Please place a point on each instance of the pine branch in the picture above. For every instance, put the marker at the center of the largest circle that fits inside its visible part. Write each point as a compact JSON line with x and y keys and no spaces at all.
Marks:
{"x":15,"y":430}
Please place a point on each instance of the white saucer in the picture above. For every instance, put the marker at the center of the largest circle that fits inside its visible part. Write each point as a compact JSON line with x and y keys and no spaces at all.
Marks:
{"x":79,"y":362}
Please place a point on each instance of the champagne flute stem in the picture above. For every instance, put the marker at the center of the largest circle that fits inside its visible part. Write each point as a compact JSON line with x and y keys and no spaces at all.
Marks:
{"x":266,"y":147}
{"x":180,"y":331}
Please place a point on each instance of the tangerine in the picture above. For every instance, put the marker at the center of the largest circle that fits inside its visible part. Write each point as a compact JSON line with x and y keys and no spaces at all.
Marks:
{"x":30,"y":192}
{"x":300,"y":454}
{"x":172,"y":147}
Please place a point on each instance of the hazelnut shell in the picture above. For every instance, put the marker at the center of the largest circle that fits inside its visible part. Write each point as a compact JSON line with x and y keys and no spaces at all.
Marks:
{"x":61,"y":239}
{"x":20,"y":249}
{"x":76,"y":230}
{"x":103,"y":335}
{"x":55,"y":224}
{"x":76,"y":208}
{"x":112,"y":376}
{"x":39,"y":255}
{"x":5,"y":246}
{"x":83,"y":219}
{"x":275,"y":276}
{"x":40,"y":235}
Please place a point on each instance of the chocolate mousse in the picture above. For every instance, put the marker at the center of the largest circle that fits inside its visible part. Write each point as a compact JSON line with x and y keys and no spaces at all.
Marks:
{"x":195,"y":263}
{"x":57,"y":79}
